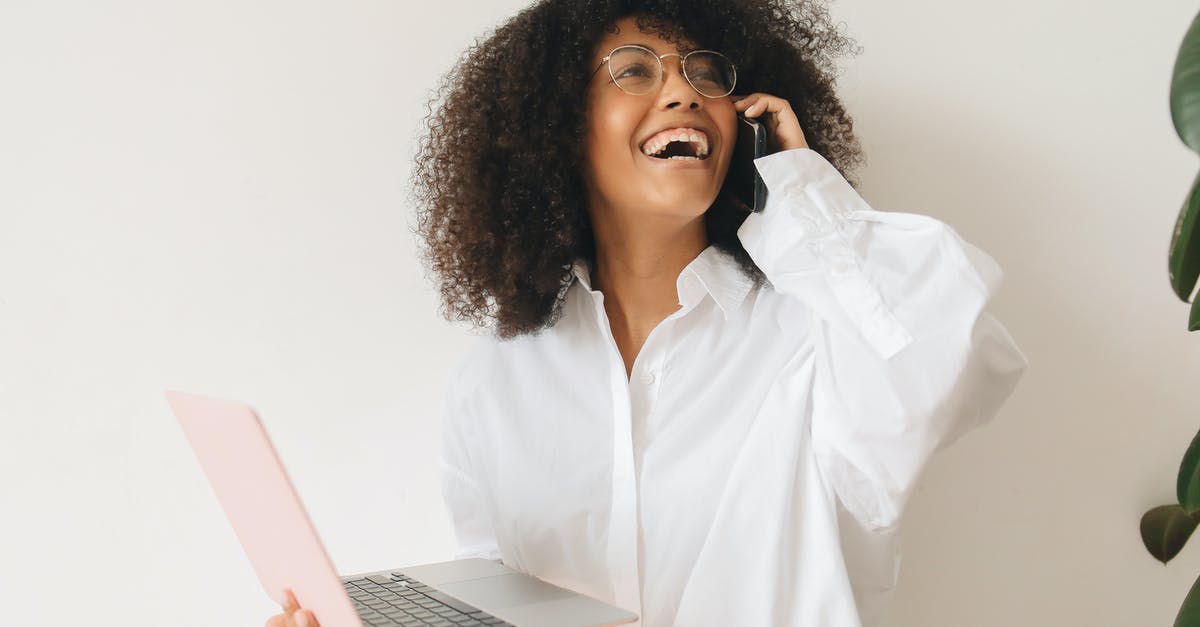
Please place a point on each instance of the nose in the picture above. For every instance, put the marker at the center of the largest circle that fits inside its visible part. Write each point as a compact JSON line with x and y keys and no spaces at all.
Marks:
{"x":676,"y":91}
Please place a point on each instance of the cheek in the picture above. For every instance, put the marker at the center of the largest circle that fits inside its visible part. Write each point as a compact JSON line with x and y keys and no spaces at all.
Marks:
{"x":612,"y":132}
{"x":611,"y":126}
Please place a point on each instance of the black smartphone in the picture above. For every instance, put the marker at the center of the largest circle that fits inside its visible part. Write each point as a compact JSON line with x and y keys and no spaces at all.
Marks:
{"x":742,"y":179}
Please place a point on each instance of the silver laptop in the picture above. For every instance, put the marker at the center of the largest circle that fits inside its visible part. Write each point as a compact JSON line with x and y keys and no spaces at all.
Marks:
{"x":278,"y":537}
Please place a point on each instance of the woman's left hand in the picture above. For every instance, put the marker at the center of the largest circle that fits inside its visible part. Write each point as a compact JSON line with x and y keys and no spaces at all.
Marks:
{"x":783,"y":129}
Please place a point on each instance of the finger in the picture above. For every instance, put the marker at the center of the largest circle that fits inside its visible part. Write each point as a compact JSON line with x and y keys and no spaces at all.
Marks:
{"x":745,"y":101}
{"x":290,"y":608}
{"x":278,"y":620}
{"x":754,"y":105}
{"x":759,"y":107}
{"x":304,"y":618}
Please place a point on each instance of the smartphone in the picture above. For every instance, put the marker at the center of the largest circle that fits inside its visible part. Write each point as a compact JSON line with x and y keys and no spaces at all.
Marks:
{"x":742,"y":179}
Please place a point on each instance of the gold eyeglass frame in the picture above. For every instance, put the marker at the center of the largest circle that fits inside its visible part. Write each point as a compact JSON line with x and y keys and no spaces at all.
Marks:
{"x":662,"y":70}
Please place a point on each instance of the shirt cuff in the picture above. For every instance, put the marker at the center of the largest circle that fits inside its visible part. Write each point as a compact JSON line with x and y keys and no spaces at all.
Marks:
{"x":804,"y":172}
{"x":805,"y":230}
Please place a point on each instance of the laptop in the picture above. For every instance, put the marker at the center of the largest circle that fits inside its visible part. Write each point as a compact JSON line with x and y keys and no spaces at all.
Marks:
{"x":282,"y":544}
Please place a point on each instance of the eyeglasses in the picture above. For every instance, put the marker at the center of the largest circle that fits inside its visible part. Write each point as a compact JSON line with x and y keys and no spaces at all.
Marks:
{"x":637,"y":70}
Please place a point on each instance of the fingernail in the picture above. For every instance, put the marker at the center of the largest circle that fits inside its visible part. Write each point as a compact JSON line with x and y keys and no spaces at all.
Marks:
{"x":301,"y":619}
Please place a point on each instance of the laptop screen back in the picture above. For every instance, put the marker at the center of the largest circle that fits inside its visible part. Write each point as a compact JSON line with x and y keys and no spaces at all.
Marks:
{"x":258,"y":498}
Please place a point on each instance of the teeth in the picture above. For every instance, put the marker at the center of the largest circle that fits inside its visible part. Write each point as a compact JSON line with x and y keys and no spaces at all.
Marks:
{"x":658,"y":144}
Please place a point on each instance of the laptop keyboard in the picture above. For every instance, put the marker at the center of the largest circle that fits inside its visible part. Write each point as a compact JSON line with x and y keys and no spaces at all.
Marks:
{"x":384,"y":601}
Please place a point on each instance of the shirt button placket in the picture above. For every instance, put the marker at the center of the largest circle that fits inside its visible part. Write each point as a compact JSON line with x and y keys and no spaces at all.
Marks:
{"x":622,"y":550}
{"x":644,"y":387}
{"x":646,"y":381}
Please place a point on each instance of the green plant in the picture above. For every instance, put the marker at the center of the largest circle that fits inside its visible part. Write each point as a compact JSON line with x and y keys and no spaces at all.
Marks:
{"x":1166,"y":528}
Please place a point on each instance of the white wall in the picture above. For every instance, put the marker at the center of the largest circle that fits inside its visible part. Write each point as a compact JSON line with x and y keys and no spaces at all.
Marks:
{"x":210,"y":196}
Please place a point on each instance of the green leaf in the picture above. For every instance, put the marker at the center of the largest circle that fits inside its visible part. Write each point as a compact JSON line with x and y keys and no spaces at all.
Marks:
{"x":1165,"y":529}
{"x":1183,"y":263}
{"x":1185,"y":87}
{"x":1187,"y":484}
{"x":1189,"y":612}
{"x":1194,"y":316}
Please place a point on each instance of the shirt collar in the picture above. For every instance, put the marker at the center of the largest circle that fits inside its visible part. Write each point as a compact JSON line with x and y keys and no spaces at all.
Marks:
{"x":713,"y":272}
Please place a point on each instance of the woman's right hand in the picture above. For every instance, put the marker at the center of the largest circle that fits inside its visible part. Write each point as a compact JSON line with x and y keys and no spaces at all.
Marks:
{"x":293,"y":615}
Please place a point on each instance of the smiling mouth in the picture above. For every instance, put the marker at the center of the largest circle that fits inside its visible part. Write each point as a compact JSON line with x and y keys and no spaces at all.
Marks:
{"x":680,"y":144}
{"x":680,"y":158}
{"x":678,"y":161}
{"x":679,"y":151}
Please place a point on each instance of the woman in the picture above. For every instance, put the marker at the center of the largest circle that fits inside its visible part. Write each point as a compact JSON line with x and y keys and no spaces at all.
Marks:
{"x":705,"y":416}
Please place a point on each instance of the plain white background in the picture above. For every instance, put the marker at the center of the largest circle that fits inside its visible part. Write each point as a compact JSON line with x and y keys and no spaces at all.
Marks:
{"x":211,"y":197}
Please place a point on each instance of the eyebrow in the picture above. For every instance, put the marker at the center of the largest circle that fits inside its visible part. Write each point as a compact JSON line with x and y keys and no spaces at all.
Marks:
{"x":648,"y":46}
{"x":652,"y":48}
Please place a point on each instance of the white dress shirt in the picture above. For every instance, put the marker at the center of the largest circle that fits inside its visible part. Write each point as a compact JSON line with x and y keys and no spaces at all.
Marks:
{"x":754,"y":467}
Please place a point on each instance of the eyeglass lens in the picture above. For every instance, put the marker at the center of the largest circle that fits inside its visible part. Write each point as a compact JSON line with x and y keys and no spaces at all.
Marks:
{"x":638,"y":71}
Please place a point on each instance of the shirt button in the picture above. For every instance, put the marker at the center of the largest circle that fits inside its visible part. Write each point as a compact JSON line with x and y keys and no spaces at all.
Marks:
{"x":841,"y":267}
{"x":648,"y":378}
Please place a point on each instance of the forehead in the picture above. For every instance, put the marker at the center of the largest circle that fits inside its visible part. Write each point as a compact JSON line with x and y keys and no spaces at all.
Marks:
{"x":627,"y":32}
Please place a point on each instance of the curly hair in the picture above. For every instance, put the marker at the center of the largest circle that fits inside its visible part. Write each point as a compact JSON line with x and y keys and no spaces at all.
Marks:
{"x":498,"y":183}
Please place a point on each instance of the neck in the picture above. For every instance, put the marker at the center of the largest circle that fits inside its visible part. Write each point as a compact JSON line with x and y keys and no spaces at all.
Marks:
{"x":637,"y":266}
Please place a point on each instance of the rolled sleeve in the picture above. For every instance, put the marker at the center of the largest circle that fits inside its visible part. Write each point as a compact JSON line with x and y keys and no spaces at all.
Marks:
{"x":907,"y":357}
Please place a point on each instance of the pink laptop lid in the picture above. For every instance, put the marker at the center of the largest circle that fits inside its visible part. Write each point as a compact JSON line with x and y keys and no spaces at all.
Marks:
{"x":252,"y":487}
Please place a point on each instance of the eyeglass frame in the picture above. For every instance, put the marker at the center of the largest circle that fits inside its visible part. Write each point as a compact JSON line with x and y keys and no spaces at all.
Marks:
{"x":662,"y":74}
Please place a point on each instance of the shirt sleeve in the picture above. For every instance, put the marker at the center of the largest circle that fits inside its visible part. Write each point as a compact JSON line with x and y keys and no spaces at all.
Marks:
{"x":907,"y":357}
{"x":465,"y":502}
